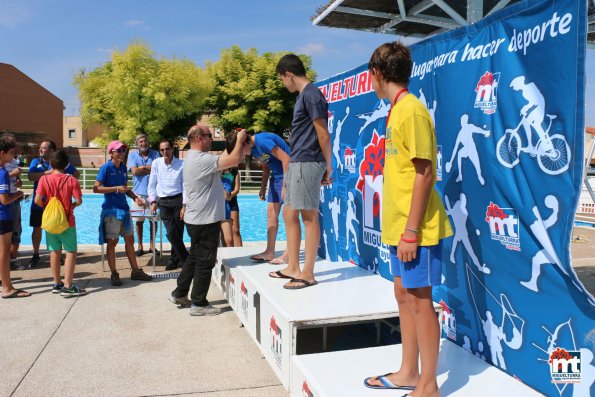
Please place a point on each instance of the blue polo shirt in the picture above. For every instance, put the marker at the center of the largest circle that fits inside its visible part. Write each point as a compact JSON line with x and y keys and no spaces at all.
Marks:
{"x":5,"y":210}
{"x":38,"y":164}
{"x":110,"y":176}
{"x":140,"y":184}
{"x":264,"y":143}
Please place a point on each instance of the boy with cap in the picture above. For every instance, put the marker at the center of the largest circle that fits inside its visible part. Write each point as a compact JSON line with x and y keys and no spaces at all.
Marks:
{"x":112,"y":181}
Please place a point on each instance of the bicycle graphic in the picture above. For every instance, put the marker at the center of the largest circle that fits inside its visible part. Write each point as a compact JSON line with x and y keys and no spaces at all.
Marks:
{"x":552,"y":152}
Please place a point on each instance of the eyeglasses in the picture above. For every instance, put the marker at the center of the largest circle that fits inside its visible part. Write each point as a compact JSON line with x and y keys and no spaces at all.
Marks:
{"x":165,"y":150}
{"x":210,"y":136}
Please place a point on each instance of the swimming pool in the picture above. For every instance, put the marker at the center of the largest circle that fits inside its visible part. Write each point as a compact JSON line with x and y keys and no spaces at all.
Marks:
{"x":253,"y":221}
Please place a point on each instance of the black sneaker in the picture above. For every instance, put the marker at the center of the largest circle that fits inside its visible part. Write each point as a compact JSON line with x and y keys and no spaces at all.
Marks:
{"x":171,"y":266}
{"x":57,"y":288}
{"x":139,"y":274}
{"x":73,"y":291}
{"x":116,"y":282}
{"x":34,"y":261}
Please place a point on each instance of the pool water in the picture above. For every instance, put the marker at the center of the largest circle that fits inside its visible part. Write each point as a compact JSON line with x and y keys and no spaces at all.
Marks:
{"x":253,"y":222}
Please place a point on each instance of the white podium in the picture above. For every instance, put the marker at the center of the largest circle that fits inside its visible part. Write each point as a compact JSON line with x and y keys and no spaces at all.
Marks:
{"x":460,"y":374}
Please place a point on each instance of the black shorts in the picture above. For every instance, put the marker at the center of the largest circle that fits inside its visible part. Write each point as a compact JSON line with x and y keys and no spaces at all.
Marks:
{"x":35,"y":218}
{"x":233,"y":204}
{"x":6,"y":226}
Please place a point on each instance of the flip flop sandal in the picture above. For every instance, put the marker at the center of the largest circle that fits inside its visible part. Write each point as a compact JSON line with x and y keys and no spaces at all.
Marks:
{"x":17,"y":293}
{"x":259,"y":258}
{"x":277,"y":261}
{"x":280,"y":275}
{"x":304,"y":284}
{"x":386,"y":384}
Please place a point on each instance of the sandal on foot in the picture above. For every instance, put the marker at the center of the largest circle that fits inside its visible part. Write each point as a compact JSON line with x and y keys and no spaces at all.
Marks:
{"x":17,"y":293}
{"x":302,"y":284}
{"x":259,"y":258}
{"x":386,"y":384}
{"x":279,"y":274}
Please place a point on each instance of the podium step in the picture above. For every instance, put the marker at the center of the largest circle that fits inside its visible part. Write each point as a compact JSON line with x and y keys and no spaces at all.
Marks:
{"x":338,"y":374}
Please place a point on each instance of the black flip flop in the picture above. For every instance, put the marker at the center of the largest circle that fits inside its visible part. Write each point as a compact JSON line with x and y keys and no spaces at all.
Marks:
{"x":280,"y":275}
{"x":259,"y":258}
{"x":304,"y":284}
{"x":17,"y":293}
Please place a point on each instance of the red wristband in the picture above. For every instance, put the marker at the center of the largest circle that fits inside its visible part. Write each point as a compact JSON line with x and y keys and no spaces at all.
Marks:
{"x":408,"y":240}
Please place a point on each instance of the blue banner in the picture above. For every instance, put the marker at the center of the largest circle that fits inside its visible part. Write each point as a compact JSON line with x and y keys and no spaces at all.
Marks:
{"x":507,"y":98}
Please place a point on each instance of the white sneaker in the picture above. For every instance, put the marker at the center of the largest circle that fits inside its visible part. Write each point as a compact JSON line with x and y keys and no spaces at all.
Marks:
{"x":204,"y":310}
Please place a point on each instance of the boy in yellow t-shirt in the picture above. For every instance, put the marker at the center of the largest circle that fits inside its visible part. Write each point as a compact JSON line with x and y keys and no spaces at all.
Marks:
{"x":414,"y":221}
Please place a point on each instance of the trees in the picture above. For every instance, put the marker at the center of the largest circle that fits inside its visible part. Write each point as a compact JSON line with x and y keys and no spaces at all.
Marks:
{"x":246,"y":91}
{"x":137,"y":93}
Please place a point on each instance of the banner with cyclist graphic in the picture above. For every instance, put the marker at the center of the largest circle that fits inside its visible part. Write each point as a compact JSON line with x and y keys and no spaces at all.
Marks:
{"x":507,"y":98}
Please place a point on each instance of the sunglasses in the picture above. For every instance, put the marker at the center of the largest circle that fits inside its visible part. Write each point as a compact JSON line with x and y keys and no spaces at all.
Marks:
{"x":120,"y":150}
{"x":210,"y":136}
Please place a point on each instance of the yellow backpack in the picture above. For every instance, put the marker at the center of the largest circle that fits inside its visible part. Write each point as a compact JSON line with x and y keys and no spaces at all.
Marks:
{"x":54,"y":219}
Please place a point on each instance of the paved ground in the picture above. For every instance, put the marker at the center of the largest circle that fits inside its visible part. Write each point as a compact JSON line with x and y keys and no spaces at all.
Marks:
{"x":131,"y":340}
{"x":125,"y":341}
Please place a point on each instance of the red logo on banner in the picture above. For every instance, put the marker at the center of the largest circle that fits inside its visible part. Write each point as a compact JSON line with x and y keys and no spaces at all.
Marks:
{"x":373,"y":164}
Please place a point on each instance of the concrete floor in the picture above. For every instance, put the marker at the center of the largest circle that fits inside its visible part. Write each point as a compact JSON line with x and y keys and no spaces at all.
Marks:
{"x":131,"y":340}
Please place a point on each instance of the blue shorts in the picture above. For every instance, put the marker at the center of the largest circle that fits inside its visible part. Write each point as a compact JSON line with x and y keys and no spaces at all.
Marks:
{"x":424,"y":271}
{"x":275,"y":188}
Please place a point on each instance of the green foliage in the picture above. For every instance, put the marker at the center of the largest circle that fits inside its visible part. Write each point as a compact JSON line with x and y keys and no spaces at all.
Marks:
{"x":137,"y":93}
{"x":248,"y":93}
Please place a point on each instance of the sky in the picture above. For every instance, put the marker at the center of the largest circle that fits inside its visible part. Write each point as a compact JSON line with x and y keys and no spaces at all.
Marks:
{"x":50,"y":40}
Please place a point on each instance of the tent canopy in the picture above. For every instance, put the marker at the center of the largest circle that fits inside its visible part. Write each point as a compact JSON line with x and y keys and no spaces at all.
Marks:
{"x":415,"y":18}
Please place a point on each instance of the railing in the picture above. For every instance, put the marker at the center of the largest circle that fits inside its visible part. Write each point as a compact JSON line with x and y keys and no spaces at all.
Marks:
{"x":249,"y":179}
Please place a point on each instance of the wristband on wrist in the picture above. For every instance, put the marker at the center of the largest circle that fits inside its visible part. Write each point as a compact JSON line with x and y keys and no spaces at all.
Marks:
{"x":416,"y":231}
{"x":408,"y":240}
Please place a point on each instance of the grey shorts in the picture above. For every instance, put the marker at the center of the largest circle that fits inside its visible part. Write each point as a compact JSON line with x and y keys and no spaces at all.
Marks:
{"x":114,"y":227}
{"x":302,"y":185}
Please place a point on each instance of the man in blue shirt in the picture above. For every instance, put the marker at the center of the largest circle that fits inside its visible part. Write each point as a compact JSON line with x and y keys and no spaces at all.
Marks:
{"x":112,"y":180}
{"x":273,"y":154}
{"x":139,"y":163}
{"x":39,"y":167}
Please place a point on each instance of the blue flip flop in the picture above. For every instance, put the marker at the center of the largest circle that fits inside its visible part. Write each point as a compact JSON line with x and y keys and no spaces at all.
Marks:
{"x":386,"y":384}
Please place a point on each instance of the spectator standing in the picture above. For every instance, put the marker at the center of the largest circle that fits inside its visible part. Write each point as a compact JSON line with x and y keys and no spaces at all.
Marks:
{"x":139,"y":164}
{"x":14,"y":173}
{"x":112,"y":180}
{"x":7,"y":147}
{"x":203,"y":212}
{"x":227,"y":179}
{"x":309,"y":167}
{"x":39,"y":167}
{"x":65,"y":188}
{"x":166,"y":185}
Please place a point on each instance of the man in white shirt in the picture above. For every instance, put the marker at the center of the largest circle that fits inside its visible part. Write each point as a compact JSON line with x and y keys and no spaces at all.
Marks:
{"x":166,"y":184}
